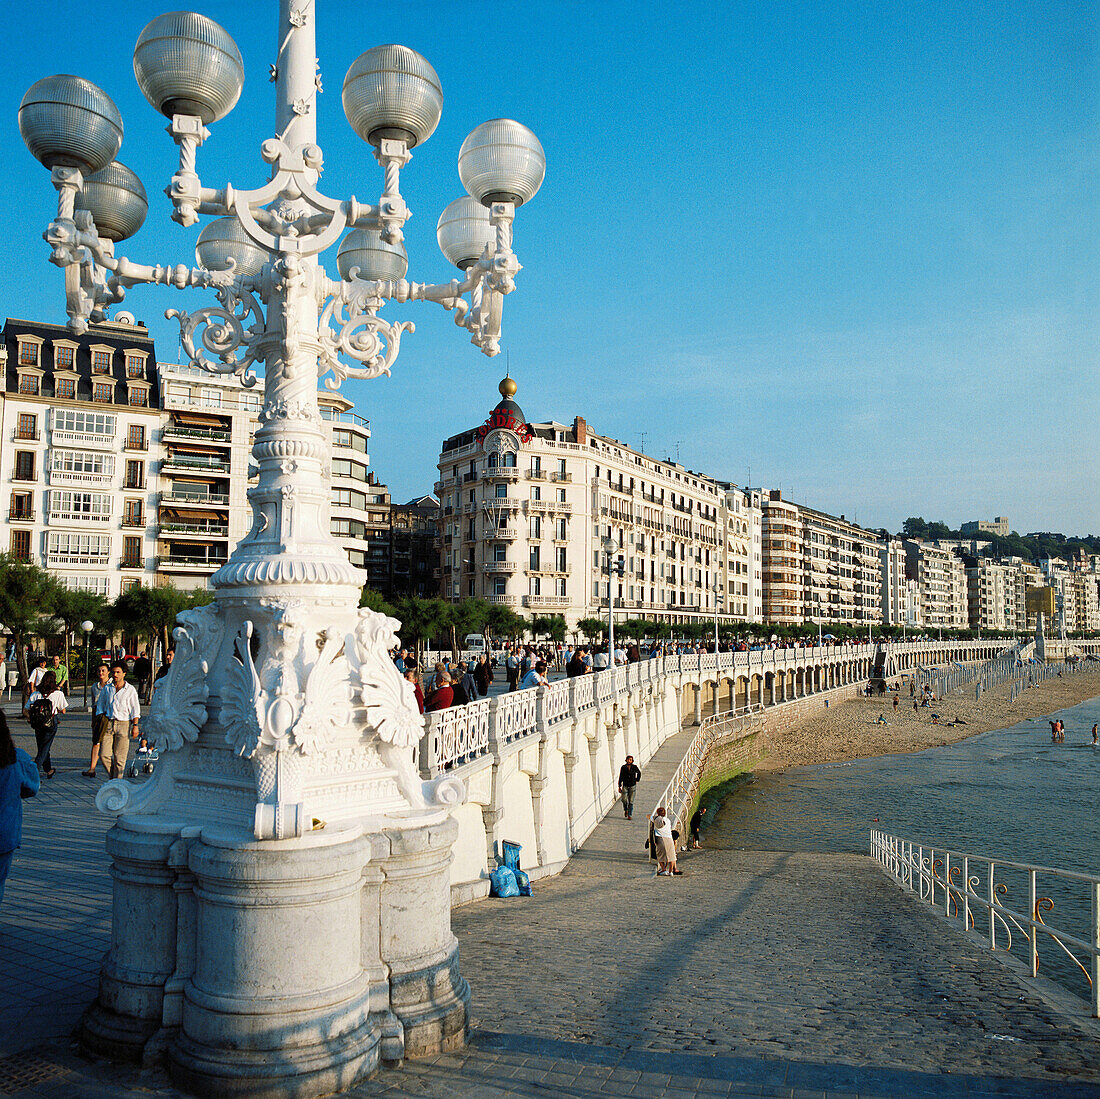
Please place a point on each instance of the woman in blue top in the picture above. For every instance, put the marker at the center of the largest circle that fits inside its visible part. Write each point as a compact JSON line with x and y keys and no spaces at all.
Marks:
{"x":18,"y":780}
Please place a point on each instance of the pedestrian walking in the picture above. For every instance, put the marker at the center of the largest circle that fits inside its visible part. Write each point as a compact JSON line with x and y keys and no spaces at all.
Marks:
{"x":664,"y":843}
{"x":18,"y":780}
{"x":43,"y":710}
{"x":61,"y":674}
{"x":100,"y":716}
{"x":124,"y":713}
{"x":629,"y":777}
{"x":511,"y":667}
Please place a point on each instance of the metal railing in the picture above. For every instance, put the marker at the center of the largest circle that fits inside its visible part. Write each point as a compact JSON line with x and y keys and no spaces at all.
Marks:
{"x":973,"y":890}
{"x":677,"y":796}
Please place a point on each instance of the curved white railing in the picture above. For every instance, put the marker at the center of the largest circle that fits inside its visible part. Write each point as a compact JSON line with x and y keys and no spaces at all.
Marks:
{"x":972,"y":889}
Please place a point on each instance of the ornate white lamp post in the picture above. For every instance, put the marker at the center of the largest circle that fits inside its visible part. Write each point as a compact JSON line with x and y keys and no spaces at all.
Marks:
{"x":282,"y":909}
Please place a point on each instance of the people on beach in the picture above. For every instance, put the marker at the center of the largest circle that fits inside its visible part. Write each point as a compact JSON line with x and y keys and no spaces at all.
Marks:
{"x":694,"y":826}
{"x":629,"y":777}
{"x":664,"y":843}
{"x":18,"y":780}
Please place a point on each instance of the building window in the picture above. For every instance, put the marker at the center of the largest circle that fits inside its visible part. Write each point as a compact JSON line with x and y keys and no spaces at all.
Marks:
{"x":24,"y":466}
{"x":500,"y":585}
{"x":21,"y":545}
{"x":65,"y":388}
{"x":250,"y":402}
{"x":534,"y":560}
{"x":28,"y":353}
{"x":500,"y":491}
{"x":561,"y":496}
{"x":560,"y":530}
{"x":135,"y":437}
{"x":82,"y":463}
{"x":210,"y":398}
{"x":101,"y":362}
{"x":21,"y":506}
{"x":131,"y":552}
{"x":536,"y":526}
{"x":536,"y":586}
{"x":75,"y":505}
{"x":29,"y":385}
{"x":135,"y":474}
{"x":138,"y":397}
{"x":27,"y":426}
{"x":559,"y":562}
{"x":560,"y":584}
{"x":65,"y":548}
{"x":103,"y":392}
{"x":101,"y":424}
{"x":129,"y":585}
{"x":135,"y":366}
{"x":64,"y":357}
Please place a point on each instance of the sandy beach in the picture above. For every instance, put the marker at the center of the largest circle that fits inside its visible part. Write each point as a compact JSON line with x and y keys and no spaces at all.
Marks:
{"x":850,"y":729}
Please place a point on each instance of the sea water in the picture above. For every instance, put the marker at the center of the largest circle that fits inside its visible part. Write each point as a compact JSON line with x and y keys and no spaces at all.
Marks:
{"x":1009,"y":794}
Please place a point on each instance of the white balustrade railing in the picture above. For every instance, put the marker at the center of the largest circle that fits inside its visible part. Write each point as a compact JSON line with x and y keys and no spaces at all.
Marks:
{"x":974,"y":890}
{"x":450,"y":740}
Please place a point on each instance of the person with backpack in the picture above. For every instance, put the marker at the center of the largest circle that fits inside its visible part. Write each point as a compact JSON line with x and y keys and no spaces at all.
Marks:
{"x":43,"y":710}
{"x":18,"y":780}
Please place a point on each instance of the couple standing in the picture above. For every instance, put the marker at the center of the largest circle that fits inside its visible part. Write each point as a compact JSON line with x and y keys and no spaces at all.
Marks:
{"x":661,"y":840}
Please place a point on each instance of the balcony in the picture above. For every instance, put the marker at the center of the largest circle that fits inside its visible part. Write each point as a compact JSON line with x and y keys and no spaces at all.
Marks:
{"x":82,"y":439}
{"x":500,"y":534}
{"x":206,"y":530}
{"x":188,"y":462}
{"x":21,"y":435}
{"x":133,"y":521}
{"x":505,"y":503}
{"x":561,"y":477}
{"x":559,"y":506}
{"x":536,"y":475}
{"x":499,"y":566}
{"x":95,"y":560}
{"x":502,"y":473}
{"x":546,"y":601}
{"x":132,"y":563}
{"x":202,"y":499}
{"x":72,"y":477}
{"x":20,"y":515}
{"x":140,"y":445}
{"x":501,"y":600}
{"x":211,"y":434}
{"x":178,"y":562}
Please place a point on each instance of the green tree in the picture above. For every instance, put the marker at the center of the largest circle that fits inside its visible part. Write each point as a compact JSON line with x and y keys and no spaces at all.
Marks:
{"x":26,"y":593}
{"x":374,"y":601}
{"x":592,"y":628}
{"x":504,"y":623}
{"x":150,"y":613}
{"x":421,"y":620}
{"x":552,"y":625}
{"x":466,"y":616}
{"x":74,"y":607}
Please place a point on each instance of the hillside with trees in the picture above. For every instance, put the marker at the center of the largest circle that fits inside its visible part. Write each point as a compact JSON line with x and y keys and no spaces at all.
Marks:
{"x":1030,"y":547}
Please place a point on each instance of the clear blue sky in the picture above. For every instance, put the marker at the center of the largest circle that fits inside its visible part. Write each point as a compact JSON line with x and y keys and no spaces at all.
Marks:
{"x":852,"y":248}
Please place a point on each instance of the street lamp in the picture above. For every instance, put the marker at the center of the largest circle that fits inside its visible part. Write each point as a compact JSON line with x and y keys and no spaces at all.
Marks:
{"x":609,"y":548}
{"x":86,"y":626}
{"x":312,"y":721}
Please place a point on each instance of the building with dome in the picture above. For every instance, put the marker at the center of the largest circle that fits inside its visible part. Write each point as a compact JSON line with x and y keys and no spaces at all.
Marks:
{"x":526,"y":508}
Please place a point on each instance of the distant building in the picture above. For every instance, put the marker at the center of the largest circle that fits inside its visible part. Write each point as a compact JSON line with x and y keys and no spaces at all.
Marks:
{"x":998,"y":525}
{"x":414,"y":548}
{"x":941,"y":577}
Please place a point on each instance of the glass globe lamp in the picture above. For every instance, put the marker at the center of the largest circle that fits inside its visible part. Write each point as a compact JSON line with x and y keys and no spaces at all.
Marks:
{"x":223,"y":240}
{"x":501,"y":161}
{"x":366,"y":250}
{"x":187,"y":64}
{"x":69,"y":122}
{"x":463,"y":231}
{"x":391,"y":91}
{"x":116,"y":199}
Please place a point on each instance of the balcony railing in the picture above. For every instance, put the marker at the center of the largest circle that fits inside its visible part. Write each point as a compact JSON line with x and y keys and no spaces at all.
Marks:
{"x":82,"y":439}
{"x":195,"y":461}
{"x":213,"y":530}
{"x":133,"y":520}
{"x":71,"y":477}
{"x":19,"y":435}
{"x":499,"y":566}
{"x":561,"y":477}
{"x":501,"y":534}
{"x":559,"y":506}
{"x":177,"y":561}
{"x":20,"y":515}
{"x":216,"y":435}
{"x":182,"y":496}
{"x":132,"y":563}
{"x":546,"y":601}
{"x":501,"y":600}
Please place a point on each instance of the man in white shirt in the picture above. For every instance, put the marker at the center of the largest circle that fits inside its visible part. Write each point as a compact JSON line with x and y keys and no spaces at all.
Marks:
{"x":123,"y":711}
{"x":600,"y":659}
{"x":620,"y":655}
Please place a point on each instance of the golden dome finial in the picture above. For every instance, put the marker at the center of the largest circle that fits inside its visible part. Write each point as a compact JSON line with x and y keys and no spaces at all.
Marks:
{"x":508,"y":386}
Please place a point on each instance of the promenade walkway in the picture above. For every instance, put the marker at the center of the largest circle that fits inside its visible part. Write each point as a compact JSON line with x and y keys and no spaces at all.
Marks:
{"x":756,"y":973}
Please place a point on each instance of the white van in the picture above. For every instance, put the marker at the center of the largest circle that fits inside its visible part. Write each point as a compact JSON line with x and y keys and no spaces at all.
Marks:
{"x":474,"y":642}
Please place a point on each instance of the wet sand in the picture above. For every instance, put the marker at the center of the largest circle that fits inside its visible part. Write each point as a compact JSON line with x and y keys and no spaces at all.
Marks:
{"x":850,"y":729}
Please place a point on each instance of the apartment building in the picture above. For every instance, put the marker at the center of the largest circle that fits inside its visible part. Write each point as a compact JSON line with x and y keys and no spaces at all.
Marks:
{"x":414,"y":548}
{"x":79,"y":422}
{"x":119,"y":470}
{"x":526,"y":510}
{"x":819,"y":567}
{"x":941,"y":578}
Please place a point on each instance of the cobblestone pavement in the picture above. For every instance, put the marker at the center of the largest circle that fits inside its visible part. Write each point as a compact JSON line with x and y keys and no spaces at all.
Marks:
{"x":754,"y":974}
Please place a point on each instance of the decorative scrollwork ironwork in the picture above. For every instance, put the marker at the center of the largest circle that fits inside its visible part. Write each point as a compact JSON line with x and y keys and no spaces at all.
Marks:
{"x":221,"y":331}
{"x":349,"y":325}
{"x":1047,"y":905}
